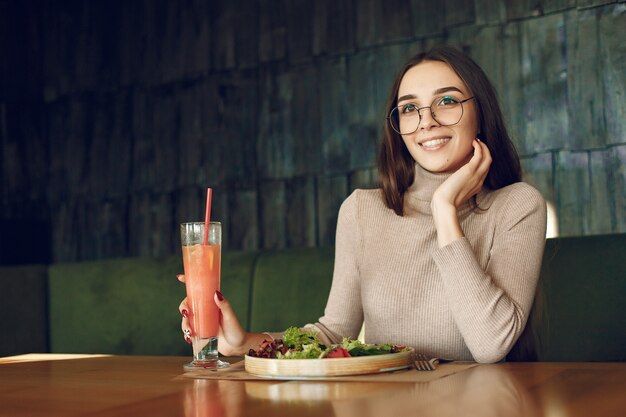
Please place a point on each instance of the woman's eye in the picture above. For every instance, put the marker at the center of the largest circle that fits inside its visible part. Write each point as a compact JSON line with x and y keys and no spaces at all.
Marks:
{"x":408,"y":108}
{"x":447,"y":101}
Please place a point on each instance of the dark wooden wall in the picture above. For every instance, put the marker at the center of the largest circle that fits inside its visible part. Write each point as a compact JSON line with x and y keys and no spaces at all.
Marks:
{"x":116,"y":115}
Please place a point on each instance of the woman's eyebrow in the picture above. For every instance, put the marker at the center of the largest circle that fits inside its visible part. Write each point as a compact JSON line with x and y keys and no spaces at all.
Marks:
{"x":407,"y":97}
{"x":446,"y":89}
{"x":437,"y":91}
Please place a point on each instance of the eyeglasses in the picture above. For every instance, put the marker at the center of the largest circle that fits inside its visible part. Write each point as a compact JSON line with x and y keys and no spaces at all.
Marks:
{"x":446,"y":111}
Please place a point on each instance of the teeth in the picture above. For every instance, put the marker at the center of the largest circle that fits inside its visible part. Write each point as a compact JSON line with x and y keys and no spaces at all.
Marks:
{"x":434,"y":142}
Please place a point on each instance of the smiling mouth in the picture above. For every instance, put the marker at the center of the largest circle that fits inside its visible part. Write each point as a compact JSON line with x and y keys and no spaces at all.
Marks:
{"x":434,"y":143}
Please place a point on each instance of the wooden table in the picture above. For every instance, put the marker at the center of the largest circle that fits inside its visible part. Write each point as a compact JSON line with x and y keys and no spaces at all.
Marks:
{"x":47,"y":385}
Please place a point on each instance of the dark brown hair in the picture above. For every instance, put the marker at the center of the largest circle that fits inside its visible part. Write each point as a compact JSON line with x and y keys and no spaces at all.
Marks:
{"x":396,"y":166}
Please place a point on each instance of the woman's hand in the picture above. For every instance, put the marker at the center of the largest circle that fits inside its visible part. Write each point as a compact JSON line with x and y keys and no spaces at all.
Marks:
{"x":466,"y":182}
{"x":233,"y":340}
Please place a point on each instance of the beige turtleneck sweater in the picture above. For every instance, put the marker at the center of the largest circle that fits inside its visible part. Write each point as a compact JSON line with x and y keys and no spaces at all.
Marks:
{"x":466,"y":301}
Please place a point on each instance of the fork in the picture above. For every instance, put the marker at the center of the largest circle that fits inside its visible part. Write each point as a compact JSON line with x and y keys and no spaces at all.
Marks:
{"x":422,"y":363}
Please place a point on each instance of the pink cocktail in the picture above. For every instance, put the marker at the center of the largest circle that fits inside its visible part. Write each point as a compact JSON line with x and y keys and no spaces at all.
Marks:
{"x":202,"y":262}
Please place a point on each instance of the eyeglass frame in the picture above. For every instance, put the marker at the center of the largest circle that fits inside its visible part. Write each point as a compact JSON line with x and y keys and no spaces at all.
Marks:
{"x":419,"y":113}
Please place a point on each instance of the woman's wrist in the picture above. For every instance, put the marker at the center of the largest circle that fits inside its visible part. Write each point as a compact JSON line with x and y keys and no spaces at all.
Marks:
{"x":446,"y":222}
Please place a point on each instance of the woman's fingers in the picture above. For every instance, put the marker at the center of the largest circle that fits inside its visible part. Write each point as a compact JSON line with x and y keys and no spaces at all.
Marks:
{"x":481,"y":160}
{"x":184,"y":308}
{"x":186,"y":330}
{"x":229,"y":319}
{"x":184,"y":311}
{"x":232,"y":335}
{"x":482,"y":157}
{"x":486,"y":158}
{"x":483,"y":168}
{"x":231,"y":330}
{"x":475,"y":172}
{"x":185,"y":325}
{"x":477,"y":158}
{"x":472,"y":168}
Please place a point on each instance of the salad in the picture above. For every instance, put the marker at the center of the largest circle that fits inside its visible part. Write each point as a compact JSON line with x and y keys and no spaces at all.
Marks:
{"x":299,"y":344}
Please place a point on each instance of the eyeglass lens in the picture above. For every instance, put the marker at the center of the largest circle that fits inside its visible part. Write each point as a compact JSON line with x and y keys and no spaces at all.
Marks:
{"x":446,"y":111}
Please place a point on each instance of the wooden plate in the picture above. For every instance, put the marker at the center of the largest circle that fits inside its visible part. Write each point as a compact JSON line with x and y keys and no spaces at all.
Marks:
{"x":311,"y":368}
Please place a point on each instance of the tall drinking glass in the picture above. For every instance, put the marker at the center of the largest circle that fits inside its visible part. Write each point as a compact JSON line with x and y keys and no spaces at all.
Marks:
{"x":202,"y":278}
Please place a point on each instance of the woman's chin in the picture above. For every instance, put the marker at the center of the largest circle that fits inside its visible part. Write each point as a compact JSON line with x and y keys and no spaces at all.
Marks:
{"x":442,"y":167}
{"x":442,"y":164}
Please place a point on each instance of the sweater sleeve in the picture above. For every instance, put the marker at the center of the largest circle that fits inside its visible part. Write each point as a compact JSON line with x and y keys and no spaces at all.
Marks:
{"x":343,"y":315}
{"x":491,"y":306}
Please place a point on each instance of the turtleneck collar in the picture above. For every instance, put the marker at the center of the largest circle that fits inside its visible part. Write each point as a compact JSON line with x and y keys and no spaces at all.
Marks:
{"x":420,"y":193}
{"x":425,"y":184}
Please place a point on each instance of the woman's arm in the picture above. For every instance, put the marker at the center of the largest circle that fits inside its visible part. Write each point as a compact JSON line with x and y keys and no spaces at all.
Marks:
{"x":456,"y":190}
{"x":343,"y":315}
{"x":491,"y":305}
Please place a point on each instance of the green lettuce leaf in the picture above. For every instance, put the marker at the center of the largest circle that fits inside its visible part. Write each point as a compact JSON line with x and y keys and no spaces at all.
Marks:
{"x":357,"y":348}
{"x":310,"y":351}
{"x":294,"y":337}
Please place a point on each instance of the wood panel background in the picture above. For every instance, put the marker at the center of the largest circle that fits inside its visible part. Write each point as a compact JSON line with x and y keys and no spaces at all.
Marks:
{"x":115,"y":116}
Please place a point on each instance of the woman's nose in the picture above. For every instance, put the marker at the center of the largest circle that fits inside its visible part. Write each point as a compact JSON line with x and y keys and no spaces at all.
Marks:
{"x":427,"y":119}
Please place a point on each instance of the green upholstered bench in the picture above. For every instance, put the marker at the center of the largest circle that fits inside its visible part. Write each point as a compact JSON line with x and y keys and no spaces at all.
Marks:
{"x":23,"y":309}
{"x":129,"y":306}
{"x":580,"y":306}
{"x":115,"y":306}
{"x":584,"y":299}
{"x":290,"y":288}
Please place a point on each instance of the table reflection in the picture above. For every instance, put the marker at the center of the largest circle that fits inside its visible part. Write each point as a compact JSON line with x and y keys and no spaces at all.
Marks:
{"x":212,"y":398}
{"x":487,"y":390}
{"x":221,"y":398}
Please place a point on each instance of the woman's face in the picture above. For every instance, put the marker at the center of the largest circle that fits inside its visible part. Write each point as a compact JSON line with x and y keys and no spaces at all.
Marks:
{"x":438,"y":148}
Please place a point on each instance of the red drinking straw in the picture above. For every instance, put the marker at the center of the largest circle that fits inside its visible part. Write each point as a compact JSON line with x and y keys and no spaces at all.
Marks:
{"x":207,"y":216}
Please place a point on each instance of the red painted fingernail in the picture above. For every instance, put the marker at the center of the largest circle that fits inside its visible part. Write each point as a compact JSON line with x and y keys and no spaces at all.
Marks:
{"x":187,"y":339}
{"x":185,"y":313}
{"x":219,"y":295}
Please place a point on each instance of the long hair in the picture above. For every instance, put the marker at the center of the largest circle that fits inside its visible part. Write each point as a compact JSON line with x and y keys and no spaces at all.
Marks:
{"x":396,"y":166}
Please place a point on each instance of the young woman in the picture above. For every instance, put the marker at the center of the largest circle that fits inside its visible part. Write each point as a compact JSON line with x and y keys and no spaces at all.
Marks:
{"x":445,"y":256}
